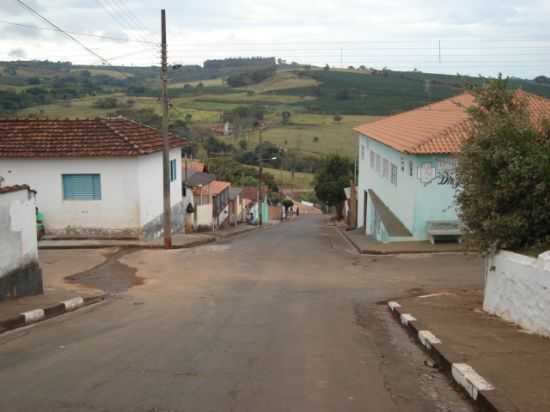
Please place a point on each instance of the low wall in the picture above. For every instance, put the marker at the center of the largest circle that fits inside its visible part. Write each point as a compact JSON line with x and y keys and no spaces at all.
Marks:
{"x":518,"y":290}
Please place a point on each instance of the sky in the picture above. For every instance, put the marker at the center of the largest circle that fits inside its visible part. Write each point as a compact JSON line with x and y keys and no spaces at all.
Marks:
{"x":475,"y":37}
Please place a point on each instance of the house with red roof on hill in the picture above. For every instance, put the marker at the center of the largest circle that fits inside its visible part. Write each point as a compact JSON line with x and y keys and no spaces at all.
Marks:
{"x":94,"y":177}
{"x":407,"y":166}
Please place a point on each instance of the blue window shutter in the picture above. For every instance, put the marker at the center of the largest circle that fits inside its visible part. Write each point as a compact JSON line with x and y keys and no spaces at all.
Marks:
{"x":173,"y":170}
{"x":81,"y":187}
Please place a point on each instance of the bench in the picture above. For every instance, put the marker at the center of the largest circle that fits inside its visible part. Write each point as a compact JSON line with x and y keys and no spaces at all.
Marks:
{"x":444,"y":228}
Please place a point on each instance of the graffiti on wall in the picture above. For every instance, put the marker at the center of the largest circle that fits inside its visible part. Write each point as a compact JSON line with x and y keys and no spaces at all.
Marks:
{"x":442,"y":174}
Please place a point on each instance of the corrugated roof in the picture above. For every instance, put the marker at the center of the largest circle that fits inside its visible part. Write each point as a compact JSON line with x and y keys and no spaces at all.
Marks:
{"x":439,"y":128}
{"x":79,"y":138}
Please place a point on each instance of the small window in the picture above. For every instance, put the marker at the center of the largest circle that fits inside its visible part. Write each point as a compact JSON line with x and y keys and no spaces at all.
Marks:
{"x":173,"y":170}
{"x":378,"y":164}
{"x":411,"y":168}
{"x":372,"y":159}
{"x":385,"y":168}
{"x":362,"y":152}
{"x":394,"y":174}
{"x":81,"y":187}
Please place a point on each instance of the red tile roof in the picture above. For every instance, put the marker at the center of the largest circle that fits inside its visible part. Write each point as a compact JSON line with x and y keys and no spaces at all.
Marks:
{"x":213,"y":188}
{"x":14,"y":188}
{"x":250,"y":193}
{"x":79,"y":138}
{"x":440,"y":127}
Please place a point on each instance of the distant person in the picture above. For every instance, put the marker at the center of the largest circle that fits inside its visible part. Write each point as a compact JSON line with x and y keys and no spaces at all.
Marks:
{"x":297,"y":211}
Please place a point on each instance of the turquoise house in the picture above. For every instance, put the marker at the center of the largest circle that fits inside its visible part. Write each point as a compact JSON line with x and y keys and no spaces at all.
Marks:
{"x":407,"y":165}
{"x":406,"y":171}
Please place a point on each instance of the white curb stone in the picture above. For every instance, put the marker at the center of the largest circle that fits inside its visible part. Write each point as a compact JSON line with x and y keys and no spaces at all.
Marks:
{"x":428,"y":339}
{"x":393,"y":305}
{"x":469,"y":379}
{"x":33,"y":315}
{"x":406,"y":318}
{"x":73,"y":303}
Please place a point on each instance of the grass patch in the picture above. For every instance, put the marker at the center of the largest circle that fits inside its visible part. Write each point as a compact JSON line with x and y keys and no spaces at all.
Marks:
{"x":284,"y":178}
{"x":283,"y":81}
{"x":207,"y":83}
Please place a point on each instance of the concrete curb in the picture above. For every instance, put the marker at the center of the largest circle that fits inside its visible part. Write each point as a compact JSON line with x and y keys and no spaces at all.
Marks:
{"x":374,"y":251}
{"x":130,"y":244}
{"x":482,"y":393}
{"x":40,"y":314}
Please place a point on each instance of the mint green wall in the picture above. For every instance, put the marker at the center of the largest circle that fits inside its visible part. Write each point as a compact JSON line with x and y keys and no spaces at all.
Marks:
{"x":412,"y":200}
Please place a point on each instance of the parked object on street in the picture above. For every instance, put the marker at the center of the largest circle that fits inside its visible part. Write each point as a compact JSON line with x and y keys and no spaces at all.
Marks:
{"x":407,"y":167}
{"x":20,"y":273}
{"x":94,"y":178}
{"x":518,"y":290}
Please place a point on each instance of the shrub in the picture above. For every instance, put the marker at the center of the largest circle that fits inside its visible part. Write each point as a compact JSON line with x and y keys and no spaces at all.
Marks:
{"x":503,"y":174}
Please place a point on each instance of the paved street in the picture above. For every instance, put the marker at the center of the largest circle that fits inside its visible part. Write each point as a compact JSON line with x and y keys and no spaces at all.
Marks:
{"x":283,"y":319}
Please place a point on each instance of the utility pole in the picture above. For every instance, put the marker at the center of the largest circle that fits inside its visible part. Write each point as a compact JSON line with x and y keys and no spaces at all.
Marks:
{"x":166,"y":144}
{"x":260,"y":170}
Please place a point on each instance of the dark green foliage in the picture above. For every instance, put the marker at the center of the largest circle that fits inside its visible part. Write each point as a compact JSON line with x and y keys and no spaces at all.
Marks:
{"x":106,"y":103}
{"x":239,"y":62}
{"x":503,"y":175}
{"x":334,"y":174}
{"x":229,"y":170}
{"x":251,"y":77}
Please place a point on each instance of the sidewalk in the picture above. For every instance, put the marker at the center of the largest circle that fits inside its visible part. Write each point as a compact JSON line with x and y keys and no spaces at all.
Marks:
{"x":367,"y":245}
{"x":515,"y":362}
{"x":55,"y":268}
{"x":179,"y":240}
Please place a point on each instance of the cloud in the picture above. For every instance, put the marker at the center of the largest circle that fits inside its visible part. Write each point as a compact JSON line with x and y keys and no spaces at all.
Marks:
{"x":367,"y":30}
{"x":17,"y":54}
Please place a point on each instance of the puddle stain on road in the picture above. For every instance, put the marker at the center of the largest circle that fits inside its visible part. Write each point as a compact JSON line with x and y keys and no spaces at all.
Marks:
{"x":111,"y":276}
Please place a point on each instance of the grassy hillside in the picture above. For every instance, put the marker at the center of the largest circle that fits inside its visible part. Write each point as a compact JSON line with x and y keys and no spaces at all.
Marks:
{"x":312,"y":97}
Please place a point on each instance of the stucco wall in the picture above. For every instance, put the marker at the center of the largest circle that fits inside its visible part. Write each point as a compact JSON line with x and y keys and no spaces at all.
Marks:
{"x":414,"y":200}
{"x":116,"y":212}
{"x":203,"y":216}
{"x":150,"y":194}
{"x":131,"y":194}
{"x":518,"y":290}
{"x":19,"y":270}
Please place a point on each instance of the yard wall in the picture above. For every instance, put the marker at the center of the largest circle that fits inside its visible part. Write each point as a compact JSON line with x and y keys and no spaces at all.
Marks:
{"x":20,"y":273}
{"x":518,"y":290}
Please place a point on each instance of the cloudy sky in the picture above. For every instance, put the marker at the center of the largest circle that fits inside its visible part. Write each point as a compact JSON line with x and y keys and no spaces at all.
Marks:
{"x":469,"y":36}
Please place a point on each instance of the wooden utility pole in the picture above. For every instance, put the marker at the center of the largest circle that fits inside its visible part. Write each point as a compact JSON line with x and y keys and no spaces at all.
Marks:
{"x":166,"y":146}
{"x":260,"y":170}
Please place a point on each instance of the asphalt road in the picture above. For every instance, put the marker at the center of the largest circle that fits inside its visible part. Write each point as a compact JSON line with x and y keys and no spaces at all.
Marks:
{"x":283,"y":319}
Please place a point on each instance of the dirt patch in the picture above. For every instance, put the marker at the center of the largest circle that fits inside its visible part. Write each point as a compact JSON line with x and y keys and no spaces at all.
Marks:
{"x":111,"y":276}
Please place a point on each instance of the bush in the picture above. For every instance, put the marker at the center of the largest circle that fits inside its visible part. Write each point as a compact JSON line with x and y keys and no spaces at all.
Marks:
{"x":106,"y":103}
{"x":503,"y":174}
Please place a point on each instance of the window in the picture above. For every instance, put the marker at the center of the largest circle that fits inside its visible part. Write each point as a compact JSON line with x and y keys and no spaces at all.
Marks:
{"x":385,"y":168}
{"x":411,"y":168}
{"x":362,"y":152}
{"x":173,"y":170}
{"x":372,"y":159}
{"x":377,"y":163}
{"x":81,"y":187}
{"x":394,"y":174}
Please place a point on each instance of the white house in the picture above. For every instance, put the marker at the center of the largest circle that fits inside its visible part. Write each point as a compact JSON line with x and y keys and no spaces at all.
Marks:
{"x":407,"y":166}
{"x":20,"y":273}
{"x":95,"y":178}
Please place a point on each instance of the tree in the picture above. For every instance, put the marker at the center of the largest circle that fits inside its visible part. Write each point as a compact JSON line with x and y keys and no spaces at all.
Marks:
{"x":285,"y":117}
{"x":326,"y":68}
{"x":337,"y":118}
{"x":502,"y":174}
{"x":333,"y":175}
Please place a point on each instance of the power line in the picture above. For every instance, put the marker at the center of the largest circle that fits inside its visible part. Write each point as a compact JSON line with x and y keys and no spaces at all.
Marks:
{"x":120,"y":18}
{"x":99,"y":36}
{"x":71,"y":37}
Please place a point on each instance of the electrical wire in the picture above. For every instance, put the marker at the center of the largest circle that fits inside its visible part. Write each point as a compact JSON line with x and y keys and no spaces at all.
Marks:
{"x":68,"y":35}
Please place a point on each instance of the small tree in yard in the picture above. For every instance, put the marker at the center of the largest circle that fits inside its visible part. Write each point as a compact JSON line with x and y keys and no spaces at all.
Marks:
{"x":503,"y":174}
{"x":333,"y":175}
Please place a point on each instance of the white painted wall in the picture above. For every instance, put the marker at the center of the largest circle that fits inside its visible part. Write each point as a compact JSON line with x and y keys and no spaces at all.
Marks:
{"x":18,"y":243}
{"x":150,"y":185}
{"x":117,"y":209}
{"x":131,"y":190}
{"x":518,"y":290}
{"x":204,"y":215}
